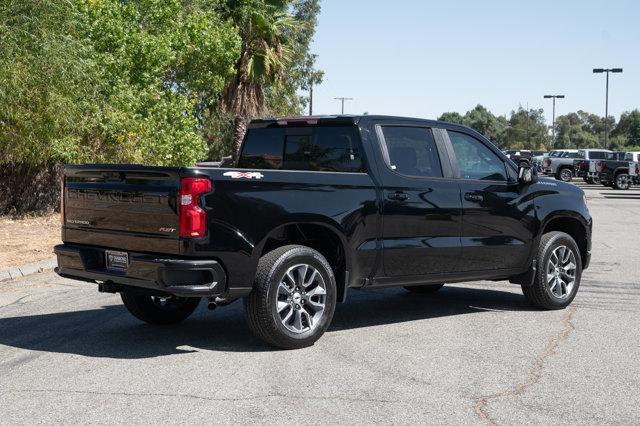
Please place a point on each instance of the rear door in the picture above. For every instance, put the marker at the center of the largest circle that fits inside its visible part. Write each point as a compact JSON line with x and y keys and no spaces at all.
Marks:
{"x":496,"y":222}
{"x":421,"y":203}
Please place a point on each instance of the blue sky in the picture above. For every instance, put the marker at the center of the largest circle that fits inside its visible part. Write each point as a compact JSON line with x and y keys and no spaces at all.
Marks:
{"x":421,"y":58}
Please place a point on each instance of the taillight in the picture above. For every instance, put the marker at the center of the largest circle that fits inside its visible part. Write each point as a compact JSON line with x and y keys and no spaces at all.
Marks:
{"x":548,"y":162}
{"x":193,"y":219}
{"x":62,"y":200}
{"x":601,"y":166}
{"x":580,"y":164}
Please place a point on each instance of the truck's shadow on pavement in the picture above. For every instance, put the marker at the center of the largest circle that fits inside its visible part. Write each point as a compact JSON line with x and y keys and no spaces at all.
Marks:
{"x":112,"y":333}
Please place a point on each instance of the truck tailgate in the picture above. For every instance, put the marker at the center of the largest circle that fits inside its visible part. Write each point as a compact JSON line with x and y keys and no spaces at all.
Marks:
{"x":124,"y":207}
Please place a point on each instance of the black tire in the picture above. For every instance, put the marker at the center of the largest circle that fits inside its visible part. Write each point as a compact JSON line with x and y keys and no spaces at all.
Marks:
{"x":539,"y":294}
{"x":160,"y":311}
{"x":424,"y":289}
{"x":621,"y":182}
{"x":260,"y":307}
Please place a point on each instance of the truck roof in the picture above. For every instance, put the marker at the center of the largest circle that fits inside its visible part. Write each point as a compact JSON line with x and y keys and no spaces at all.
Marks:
{"x":341,"y":120}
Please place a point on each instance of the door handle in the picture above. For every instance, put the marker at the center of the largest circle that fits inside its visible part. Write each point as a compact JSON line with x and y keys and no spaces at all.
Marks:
{"x":398,"y":196}
{"x":475,"y":198}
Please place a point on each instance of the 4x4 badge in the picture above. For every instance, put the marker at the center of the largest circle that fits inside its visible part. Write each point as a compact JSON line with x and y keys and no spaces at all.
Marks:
{"x":245,"y":175}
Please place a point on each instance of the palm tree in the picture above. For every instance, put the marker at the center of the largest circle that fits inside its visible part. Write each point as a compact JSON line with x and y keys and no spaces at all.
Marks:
{"x":264,"y":56}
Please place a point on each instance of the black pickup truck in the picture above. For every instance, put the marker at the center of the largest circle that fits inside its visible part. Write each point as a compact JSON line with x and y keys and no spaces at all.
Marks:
{"x":317,"y":206}
{"x":614,"y":170}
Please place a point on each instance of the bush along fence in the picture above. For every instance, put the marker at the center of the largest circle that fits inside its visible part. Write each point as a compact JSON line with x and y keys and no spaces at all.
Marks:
{"x":29,"y":188}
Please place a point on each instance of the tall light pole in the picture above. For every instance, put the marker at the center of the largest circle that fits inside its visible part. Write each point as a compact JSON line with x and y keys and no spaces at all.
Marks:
{"x":606,"y":102}
{"x":553,"y":126}
{"x":342,"y":101}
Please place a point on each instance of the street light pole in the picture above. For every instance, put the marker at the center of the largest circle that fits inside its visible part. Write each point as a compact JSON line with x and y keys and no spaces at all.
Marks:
{"x":553,"y":126}
{"x":342,"y":101}
{"x":606,"y":102}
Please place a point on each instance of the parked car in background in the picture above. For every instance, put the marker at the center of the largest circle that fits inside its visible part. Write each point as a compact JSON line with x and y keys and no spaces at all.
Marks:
{"x":585,"y":165}
{"x":537,"y":161}
{"x":561,"y":167}
{"x":522,"y":157}
{"x":634,"y":166}
{"x":614,"y":170}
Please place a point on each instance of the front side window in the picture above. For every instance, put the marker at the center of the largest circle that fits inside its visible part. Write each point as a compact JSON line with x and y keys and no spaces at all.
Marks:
{"x":475,"y":160}
{"x":412,"y":151}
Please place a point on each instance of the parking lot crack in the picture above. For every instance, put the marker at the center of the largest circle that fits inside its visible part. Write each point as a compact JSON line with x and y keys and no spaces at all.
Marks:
{"x":205,"y":397}
{"x":533,"y":375}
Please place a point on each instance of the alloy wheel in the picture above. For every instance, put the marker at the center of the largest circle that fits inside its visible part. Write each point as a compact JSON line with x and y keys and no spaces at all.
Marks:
{"x":561,"y":272}
{"x":301,"y":298}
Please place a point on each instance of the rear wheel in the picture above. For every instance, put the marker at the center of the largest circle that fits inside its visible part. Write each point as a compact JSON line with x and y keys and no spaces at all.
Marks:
{"x":293,"y":298}
{"x":558,"y":274}
{"x":621,"y":181}
{"x":565,"y":175}
{"x":424,"y":289}
{"x":159,"y":310}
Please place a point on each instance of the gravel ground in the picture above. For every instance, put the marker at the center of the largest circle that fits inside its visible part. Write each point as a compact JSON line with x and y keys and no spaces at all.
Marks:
{"x":28,"y":239}
{"x":473,"y":353}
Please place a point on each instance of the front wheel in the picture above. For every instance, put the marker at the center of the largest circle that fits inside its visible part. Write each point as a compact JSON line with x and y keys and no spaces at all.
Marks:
{"x":558,"y":273}
{"x":424,"y":289}
{"x":293,"y":298}
{"x":159,"y":310}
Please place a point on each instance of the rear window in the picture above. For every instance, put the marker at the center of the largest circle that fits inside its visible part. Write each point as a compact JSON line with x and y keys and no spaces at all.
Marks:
{"x":331,"y":149}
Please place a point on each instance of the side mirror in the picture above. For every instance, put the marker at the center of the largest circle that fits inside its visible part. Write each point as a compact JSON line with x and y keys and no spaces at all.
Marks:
{"x":527,"y":175}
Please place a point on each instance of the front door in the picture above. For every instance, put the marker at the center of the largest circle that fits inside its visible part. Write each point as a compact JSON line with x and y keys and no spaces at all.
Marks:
{"x":497,"y":223}
{"x":421,"y":207}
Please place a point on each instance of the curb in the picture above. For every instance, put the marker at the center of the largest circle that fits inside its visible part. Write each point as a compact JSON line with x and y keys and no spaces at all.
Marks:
{"x":10,"y":274}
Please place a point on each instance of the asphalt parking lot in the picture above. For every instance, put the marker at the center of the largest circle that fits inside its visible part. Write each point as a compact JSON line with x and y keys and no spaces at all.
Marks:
{"x":473,"y":353}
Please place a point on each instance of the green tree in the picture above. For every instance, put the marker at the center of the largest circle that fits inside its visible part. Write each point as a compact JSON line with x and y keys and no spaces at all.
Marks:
{"x":481,"y":120}
{"x":265,"y":53}
{"x":452,"y":117}
{"x":47,"y":89}
{"x":527,"y":129}
{"x":628,"y":128}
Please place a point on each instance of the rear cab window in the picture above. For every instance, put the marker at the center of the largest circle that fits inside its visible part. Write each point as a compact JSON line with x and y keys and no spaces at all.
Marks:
{"x":312,"y":148}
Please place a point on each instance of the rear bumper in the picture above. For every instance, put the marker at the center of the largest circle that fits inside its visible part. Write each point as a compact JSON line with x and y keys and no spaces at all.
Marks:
{"x":180,"y":277}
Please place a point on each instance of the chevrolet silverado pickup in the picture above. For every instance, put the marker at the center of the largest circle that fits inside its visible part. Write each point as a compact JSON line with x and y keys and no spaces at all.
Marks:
{"x":317,"y":206}
{"x":585,"y":165}
{"x":614,"y":170}
{"x":561,"y":166}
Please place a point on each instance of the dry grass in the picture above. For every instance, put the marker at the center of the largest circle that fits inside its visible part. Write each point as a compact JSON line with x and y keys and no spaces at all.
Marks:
{"x":28,"y":239}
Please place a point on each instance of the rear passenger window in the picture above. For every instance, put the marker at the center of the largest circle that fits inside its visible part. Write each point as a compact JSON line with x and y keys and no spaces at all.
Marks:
{"x":597,"y":155}
{"x":332,"y":149}
{"x":412,"y":151}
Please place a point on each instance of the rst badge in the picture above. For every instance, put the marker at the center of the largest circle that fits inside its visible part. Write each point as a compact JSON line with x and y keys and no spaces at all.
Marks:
{"x":244,"y":175}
